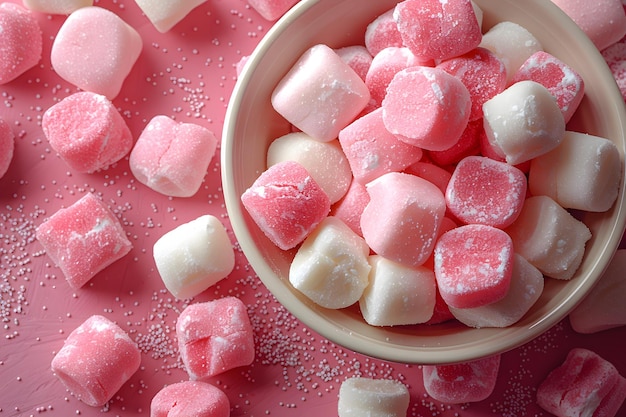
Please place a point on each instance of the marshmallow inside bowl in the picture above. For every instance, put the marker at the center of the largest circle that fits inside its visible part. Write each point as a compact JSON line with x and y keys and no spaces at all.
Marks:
{"x":251,"y":125}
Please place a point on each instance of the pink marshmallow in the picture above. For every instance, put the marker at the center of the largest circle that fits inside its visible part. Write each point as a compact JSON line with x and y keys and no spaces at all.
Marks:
{"x":403,"y":217}
{"x":468,"y":144}
{"x":473,"y":265}
{"x":286,"y":203}
{"x":7,"y":146}
{"x":190,"y":398}
{"x":95,"y":50}
{"x":56,"y":6}
{"x":164,"y":15}
{"x":615,"y":57}
{"x":214,"y":337}
{"x":357,"y":57}
{"x":96,"y":359}
{"x":351,"y":206}
{"x":372,"y":151}
{"x":87,"y":131}
{"x":272,"y":9}
{"x":426,"y":107}
{"x":435,"y":29}
{"x":382,"y":33}
{"x":83,"y":239}
{"x":431,"y":173}
{"x":172,"y":158}
{"x":612,"y":402}
{"x":441,"y":311}
{"x":462,"y":382}
{"x":21,"y":41}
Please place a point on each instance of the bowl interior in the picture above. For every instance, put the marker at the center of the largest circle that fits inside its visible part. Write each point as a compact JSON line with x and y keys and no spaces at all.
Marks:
{"x":251,"y":124}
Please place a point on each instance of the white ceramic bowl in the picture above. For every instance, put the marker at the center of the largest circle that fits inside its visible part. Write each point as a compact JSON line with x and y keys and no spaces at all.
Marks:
{"x":251,"y":124}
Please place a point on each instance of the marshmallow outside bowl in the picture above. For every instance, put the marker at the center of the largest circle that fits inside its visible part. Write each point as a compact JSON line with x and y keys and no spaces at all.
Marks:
{"x":251,"y":124}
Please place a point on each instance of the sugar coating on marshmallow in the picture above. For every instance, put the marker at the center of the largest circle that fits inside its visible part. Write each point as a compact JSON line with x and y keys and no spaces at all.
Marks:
{"x":351,"y":206}
{"x":96,"y":359}
{"x":194,"y":256}
{"x":87,"y":131}
{"x":357,"y":57}
{"x":371,"y":150}
{"x":286,"y":203}
{"x":398,"y":294}
{"x":431,"y":173}
{"x":467,"y":145}
{"x":583,"y":172}
{"x":172,"y":158}
{"x":403,"y":217}
{"x":83,"y":239}
{"x":523,"y":122}
{"x":56,"y":6}
{"x":320,"y":94}
{"x":549,"y":237}
{"x":360,"y":396}
{"x":271,"y":9}
{"x":603,"y":308}
{"x":615,"y":57}
{"x":7,"y":146}
{"x":95,"y":50}
{"x":214,"y":337}
{"x":21,"y":41}
{"x":164,"y":15}
{"x":462,"y":382}
{"x":579,"y":385}
{"x":190,"y":398}
{"x":438,"y":29}
{"x":382,"y":32}
{"x":325,"y":161}
{"x":526,"y":287}
{"x":473,"y":265}
{"x":484,"y":191}
{"x":331,"y":267}
{"x":385,"y":64}
{"x":426,"y":107}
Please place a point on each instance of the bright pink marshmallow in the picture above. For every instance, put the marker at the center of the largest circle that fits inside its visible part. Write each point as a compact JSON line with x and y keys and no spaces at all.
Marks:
{"x":286,"y":203}
{"x":462,"y":382}
{"x":20,"y":41}
{"x":83,"y":239}
{"x":426,"y":107}
{"x":172,"y":158}
{"x":271,"y":9}
{"x":95,"y":50}
{"x":214,"y":337}
{"x":615,"y":57}
{"x":382,"y":33}
{"x":190,"y":398}
{"x":351,"y":206}
{"x":357,"y":57}
{"x":435,"y":29}
{"x":97,"y":358}
{"x":7,"y":146}
{"x":468,"y":144}
{"x":473,"y":265}
{"x":87,"y":131}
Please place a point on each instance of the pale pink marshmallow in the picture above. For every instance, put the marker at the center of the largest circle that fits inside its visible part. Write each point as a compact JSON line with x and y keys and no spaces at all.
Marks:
{"x":95,"y":50}
{"x":382,"y":33}
{"x":512,"y":43}
{"x":523,"y":122}
{"x":190,"y":398}
{"x":331,"y":267}
{"x":320,"y":94}
{"x":587,"y":179}
{"x":371,"y":150}
{"x":96,"y":360}
{"x":194,"y":256}
{"x":403,"y":217}
{"x":615,"y":57}
{"x":357,"y":57}
{"x":549,"y":237}
{"x":214,"y":337}
{"x":87,"y":131}
{"x":83,"y":239}
{"x":361,"y":396}
{"x":463,"y":382}
{"x":351,"y":206}
{"x":324,"y":161}
{"x":272,"y":9}
{"x":432,"y":173}
{"x":473,"y":265}
{"x":241,"y":64}
{"x":484,"y":191}
{"x":286,"y":203}
{"x":579,"y":385}
{"x":398,"y":294}
{"x":482,"y":72}
{"x":172,"y":158}
{"x":435,"y":29}
{"x":7,"y":146}
{"x":426,"y":107}
{"x":524,"y":291}
{"x":56,"y":6}
{"x":565,"y":84}
{"x":604,"y":21}
{"x":165,"y":14}
{"x":21,"y":41}
{"x":603,"y":308}
{"x":468,"y":144}
{"x":612,"y":402}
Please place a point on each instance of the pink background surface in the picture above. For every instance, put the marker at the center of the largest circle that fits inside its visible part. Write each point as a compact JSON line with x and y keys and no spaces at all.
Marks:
{"x":187,"y":73}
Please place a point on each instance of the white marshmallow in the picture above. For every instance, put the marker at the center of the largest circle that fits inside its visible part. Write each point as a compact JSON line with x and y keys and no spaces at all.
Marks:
{"x":56,"y":6}
{"x":165,"y":14}
{"x":360,"y":397}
